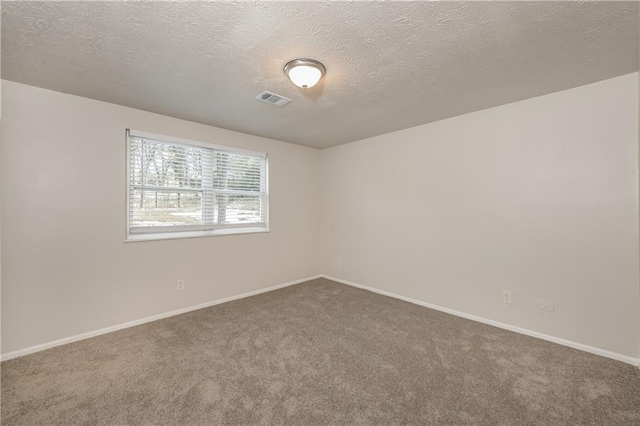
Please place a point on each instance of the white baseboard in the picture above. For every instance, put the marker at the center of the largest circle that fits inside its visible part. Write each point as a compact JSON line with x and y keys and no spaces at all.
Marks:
{"x":64,"y":341}
{"x":586,"y":348}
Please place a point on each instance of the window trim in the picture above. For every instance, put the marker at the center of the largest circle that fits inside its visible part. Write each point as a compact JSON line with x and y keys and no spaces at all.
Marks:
{"x":180,"y":234}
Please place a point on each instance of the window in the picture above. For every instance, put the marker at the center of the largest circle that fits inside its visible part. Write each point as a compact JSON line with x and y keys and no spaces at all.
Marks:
{"x":181,"y":189}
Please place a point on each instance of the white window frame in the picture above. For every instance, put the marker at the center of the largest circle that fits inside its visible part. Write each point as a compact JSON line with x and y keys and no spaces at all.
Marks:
{"x":169,"y":234}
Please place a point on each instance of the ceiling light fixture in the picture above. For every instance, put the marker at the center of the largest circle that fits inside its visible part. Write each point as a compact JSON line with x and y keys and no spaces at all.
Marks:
{"x":304,"y":73}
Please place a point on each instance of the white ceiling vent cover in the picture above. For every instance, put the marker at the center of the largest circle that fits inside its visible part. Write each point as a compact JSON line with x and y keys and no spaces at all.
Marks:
{"x":273,"y":99}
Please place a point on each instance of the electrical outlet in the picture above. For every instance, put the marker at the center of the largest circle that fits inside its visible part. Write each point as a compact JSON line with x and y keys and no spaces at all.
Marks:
{"x":180,"y":285}
{"x":506,"y":297}
{"x":339,"y":262}
{"x":546,"y":306}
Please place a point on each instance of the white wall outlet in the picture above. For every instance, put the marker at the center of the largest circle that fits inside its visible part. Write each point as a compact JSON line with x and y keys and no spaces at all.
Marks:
{"x":546,"y":306}
{"x":339,"y":262}
{"x":506,"y":297}
{"x":180,"y":285}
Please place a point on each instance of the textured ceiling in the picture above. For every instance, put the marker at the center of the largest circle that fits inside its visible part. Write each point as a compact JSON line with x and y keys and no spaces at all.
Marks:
{"x":389,"y":65}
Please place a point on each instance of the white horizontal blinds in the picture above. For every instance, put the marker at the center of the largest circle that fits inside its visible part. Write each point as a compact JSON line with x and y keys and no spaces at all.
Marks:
{"x":165,"y":185}
{"x":176,"y":187}
{"x":240,"y":189}
{"x":208,"y":198}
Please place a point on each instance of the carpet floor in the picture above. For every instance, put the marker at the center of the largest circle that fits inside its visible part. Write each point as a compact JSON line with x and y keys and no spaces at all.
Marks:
{"x":317,"y":353}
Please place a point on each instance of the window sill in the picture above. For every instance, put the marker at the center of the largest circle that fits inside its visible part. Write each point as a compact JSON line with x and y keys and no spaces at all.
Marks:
{"x":134,"y":238}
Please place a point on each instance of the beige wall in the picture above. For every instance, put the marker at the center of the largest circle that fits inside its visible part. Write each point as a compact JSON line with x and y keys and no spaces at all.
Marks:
{"x":538,"y":197}
{"x":65,"y":267}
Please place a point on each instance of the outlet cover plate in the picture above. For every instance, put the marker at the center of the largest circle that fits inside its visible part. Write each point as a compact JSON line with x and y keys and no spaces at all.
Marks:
{"x":546,"y":306}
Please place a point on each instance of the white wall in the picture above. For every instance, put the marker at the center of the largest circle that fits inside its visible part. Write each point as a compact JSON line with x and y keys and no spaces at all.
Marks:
{"x":538,"y":197}
{"x":66,"y":269}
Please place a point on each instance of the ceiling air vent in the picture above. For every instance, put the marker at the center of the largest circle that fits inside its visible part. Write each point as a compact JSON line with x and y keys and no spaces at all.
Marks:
{"x":273,"y":99}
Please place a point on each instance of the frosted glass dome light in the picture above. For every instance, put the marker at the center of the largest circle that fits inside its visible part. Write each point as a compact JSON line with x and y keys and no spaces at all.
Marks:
{"x":304,"y":73}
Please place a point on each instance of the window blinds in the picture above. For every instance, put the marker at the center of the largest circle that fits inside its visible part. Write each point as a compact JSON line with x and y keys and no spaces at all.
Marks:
{"x":178,"y":187}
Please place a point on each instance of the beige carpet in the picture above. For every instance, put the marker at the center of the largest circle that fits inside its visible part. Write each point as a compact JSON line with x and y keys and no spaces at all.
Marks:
{"x":317,"y":353}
